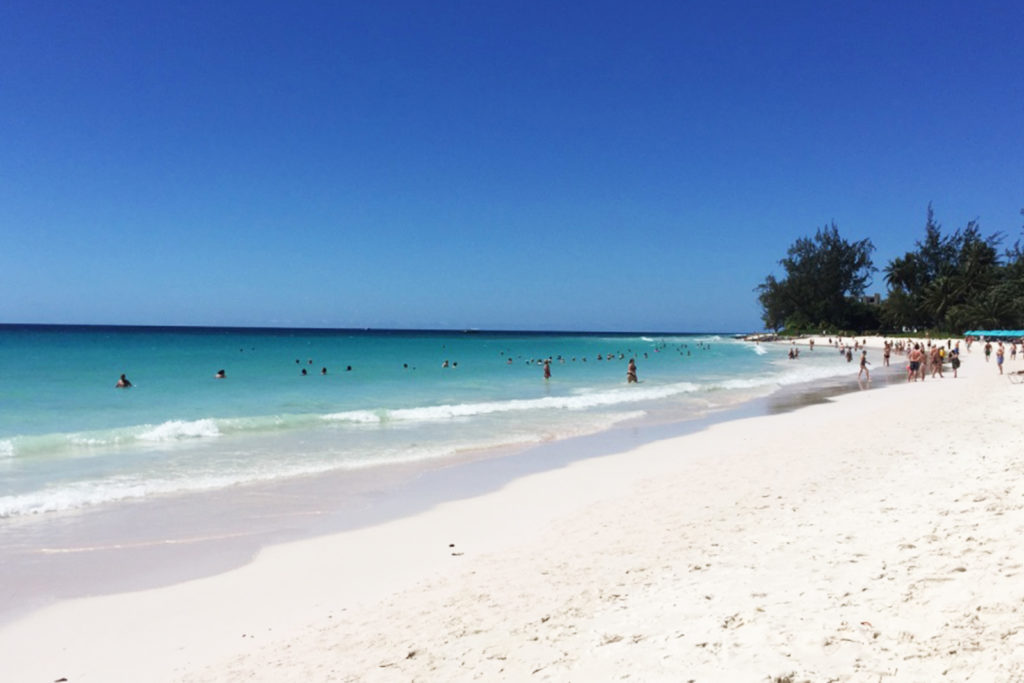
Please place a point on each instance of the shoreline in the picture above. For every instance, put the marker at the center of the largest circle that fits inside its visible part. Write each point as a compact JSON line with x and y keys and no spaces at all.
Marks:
{"x":143,"y":544}
{"x":361,"y":577}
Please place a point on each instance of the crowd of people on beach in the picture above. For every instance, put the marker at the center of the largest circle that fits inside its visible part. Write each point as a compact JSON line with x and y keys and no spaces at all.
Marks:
{"x":924,"y":358}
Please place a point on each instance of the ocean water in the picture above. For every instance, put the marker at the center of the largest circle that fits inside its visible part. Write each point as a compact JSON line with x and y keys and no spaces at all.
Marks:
{"x":70,"y":440}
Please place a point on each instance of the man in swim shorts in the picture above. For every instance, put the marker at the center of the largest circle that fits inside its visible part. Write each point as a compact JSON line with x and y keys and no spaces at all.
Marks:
{"x":915,"y":358}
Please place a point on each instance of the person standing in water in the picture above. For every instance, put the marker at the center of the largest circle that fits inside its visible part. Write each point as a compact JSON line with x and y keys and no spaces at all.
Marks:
{"x":547,"y":369}
{"x":631,"y":372}
{"x":123,"y":383}
{"x":864,"y":366}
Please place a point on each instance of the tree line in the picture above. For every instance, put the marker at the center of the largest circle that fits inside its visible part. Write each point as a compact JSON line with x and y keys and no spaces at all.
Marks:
{"x":948,"y":283}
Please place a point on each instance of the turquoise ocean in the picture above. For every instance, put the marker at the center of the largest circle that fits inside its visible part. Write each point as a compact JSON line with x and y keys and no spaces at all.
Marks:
{"x":71,"y":441}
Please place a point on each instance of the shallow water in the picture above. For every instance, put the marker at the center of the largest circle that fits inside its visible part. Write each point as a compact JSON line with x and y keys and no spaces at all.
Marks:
{"x":69,"y":440}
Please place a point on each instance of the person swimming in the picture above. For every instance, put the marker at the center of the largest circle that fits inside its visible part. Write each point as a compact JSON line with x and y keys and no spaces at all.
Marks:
{"x":123,"y":383}
{"x":220,"y":375}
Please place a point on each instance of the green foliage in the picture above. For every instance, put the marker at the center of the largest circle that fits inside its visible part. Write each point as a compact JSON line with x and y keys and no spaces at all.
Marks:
{"x":954,"y":282}
{"x":949,"y":283}
{"x":824,"y":275}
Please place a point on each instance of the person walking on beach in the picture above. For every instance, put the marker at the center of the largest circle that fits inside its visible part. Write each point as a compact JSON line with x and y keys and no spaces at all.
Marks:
{"x":1000,"y":355}
{"x":954,"y":361}
{"x":631,"y":372}
{"x":864,"y":366}
{"x":936,"y":360}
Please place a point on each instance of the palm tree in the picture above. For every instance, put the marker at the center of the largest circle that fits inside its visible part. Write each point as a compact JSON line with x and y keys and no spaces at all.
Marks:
{"x":902,"y":273}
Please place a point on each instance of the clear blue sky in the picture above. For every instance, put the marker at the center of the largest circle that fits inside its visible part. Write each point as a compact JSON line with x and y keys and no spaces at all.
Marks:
{"x":525,"y":165}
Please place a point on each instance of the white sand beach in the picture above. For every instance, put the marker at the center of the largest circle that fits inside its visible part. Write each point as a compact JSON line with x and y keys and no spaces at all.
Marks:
{"x":873,"y":537}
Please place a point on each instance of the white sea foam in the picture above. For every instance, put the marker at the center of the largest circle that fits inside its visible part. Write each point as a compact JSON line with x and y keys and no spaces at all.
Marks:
{"x":88,"y":493}
{"x":801,"y":372}
{"x":582,"y":401}
{"x":48,"y":445}
{"x":97,"y":439}
{"x":177,"y":430}
{"x":357,"y":416}
{"x":790,"y":372}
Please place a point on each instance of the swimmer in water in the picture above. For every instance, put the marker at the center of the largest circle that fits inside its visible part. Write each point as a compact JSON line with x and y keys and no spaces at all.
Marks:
{"x":220,"y":375}
{"x":123,"y":383}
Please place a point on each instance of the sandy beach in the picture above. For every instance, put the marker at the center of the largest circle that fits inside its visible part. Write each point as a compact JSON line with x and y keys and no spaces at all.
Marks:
{"x":872,"y":537}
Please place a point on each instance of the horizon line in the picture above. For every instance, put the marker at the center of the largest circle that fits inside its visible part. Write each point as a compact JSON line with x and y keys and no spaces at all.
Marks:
{"x":455,"y":330}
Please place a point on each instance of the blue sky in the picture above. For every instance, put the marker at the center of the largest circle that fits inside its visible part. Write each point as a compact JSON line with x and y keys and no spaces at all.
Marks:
{"x":526,"y":165}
